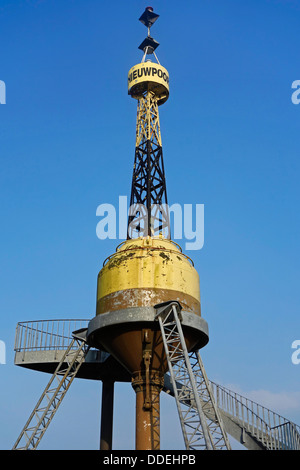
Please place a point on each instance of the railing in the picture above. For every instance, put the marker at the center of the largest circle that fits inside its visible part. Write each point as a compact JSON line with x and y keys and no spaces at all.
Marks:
{"x":46,"y":334}
{"x":272,"y":430}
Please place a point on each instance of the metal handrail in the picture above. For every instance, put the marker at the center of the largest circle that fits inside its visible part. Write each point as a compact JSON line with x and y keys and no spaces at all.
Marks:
{"x":266,"y":426}
{"x":271,"y":429}
{"x":46,"y":334}
{"x":147,"y":248}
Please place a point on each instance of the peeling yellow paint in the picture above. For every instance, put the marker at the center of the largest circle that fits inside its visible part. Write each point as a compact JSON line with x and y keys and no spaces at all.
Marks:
{"x":144,"y":268}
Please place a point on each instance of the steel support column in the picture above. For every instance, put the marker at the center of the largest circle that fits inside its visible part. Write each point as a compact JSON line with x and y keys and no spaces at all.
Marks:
{"x":107,"y":408}
{"x":147,"y":431}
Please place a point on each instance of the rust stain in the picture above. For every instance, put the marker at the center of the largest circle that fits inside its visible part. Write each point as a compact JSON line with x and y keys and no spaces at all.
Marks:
{"x":164,"y":256}
{"x":146,"y":297}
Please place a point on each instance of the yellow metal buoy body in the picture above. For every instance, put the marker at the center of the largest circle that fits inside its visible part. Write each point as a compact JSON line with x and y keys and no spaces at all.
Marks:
{"x":145,"y":272}
{"x":141,"y":274}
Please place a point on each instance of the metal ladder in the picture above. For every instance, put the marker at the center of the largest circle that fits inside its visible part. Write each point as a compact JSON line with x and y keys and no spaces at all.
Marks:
{"x":54,"y":393}
{"x":200,"y":419}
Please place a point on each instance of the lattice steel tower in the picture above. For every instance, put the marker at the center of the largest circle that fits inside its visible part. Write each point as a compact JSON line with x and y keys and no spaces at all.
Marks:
{"x":148,"y":82}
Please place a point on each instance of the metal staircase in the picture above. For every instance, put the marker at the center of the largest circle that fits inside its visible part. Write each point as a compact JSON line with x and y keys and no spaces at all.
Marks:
{"x":200,"y":419}
{"x":253,"y":425}
{"x":50,"y":346}
{"x":54,"y":393}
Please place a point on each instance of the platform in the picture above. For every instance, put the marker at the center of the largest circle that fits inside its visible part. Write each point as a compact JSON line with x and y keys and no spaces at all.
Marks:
{"x":40,"y":345}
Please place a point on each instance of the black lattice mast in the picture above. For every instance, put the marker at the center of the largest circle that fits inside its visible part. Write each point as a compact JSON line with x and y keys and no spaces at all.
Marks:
{"x":149,"y":84}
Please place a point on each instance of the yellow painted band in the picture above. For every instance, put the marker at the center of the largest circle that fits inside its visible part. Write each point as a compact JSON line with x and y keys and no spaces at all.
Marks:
{"x":158,"y":265}
{"x":148,"y":76}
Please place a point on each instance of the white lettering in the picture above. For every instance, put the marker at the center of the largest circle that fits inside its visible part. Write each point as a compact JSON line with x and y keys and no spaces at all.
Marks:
{"x":112,"y":460}
{"x":2,"y":92}
{"x":296,"y":354}
{"x":123,"y":211}
{"x":109,"y":221}
{"x":170,"y":459}
{"x":180,"y":223}
{"x":296,"y":95}
{"x":2,"y":353}
{"x":198,"y":234}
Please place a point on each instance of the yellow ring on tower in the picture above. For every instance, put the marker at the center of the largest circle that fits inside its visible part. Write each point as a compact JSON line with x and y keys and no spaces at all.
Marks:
{"x":149,"y":76}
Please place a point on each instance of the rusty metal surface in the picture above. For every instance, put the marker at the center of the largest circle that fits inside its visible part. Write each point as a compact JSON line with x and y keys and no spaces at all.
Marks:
{"x":147,"y":435}
{"x":120,"y":333}
{"x":146,"y":297}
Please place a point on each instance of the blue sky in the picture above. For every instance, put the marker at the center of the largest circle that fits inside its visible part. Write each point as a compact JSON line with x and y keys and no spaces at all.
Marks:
{"x":231,"y":142}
